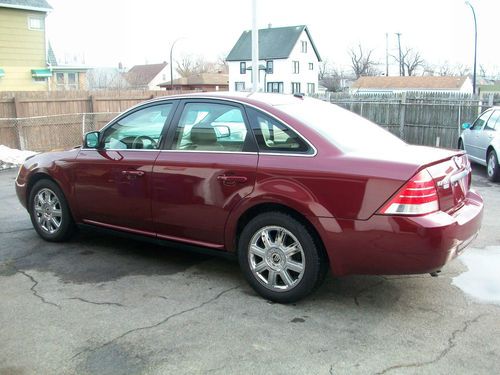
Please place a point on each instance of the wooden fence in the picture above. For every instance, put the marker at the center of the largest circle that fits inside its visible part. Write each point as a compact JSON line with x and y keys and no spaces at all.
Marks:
{"x":22,"y":126}
{"x":432,"y":119}
{"x":41,"y":121}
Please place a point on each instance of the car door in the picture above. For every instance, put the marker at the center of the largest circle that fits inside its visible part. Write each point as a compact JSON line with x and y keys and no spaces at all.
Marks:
{"x":209,"y":166}
{"x":486,"y":135}
{"x":471,"y":137}
{"x":113,"y":181}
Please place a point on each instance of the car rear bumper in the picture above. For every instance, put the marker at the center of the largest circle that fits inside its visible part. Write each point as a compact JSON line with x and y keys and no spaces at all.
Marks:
{"x":392,"y":245}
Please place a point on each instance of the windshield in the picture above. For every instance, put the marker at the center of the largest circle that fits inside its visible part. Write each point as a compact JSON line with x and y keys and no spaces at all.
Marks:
{"x":344,"y":129}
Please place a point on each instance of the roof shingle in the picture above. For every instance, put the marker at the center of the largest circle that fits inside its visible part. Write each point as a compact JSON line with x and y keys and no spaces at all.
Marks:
{"x":141,"y":75}
{"x":274,"y":43}
{"x":41,"y":5}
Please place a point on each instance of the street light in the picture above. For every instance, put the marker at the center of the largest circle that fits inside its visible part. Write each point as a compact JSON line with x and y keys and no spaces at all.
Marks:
{"x":475,"y":47}
{"x":171,"y":64}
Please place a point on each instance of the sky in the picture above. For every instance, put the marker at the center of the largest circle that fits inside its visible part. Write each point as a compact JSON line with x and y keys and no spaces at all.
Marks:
{"x":106,"y":32}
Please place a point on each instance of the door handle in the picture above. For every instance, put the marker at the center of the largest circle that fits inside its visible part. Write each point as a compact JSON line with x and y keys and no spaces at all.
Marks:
{"x":231,"y":180}
{"x":130,"y":174}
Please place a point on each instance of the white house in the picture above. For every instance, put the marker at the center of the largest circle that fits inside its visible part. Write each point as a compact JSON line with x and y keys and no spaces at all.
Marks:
{"x":288,"y":61}
{"x":381,"y":84}
{"x":148,"y":76}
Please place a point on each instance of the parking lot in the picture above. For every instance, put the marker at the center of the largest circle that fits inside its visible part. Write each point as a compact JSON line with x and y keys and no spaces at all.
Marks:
{"x":107,"y":305}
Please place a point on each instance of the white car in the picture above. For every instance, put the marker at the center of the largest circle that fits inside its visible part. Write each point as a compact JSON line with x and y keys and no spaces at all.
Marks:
{"x":481,"y":141}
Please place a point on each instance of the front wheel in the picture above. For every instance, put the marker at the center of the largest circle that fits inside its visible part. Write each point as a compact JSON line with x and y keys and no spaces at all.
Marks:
{"x":50,"y":212}
{"x":279,"y":257}
{"x":492,"y":166}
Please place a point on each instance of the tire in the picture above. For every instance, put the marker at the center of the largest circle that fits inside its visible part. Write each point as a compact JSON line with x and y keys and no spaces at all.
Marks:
{"x":492,"y":167}
{"x":49,"y":212}
{"x":275,"y":272}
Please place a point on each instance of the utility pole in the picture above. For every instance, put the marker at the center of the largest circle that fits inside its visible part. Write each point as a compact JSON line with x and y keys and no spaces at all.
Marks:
{"x":255,"y":48}
{"x":401,"y":66}
{"x":475,"y":47}
{"x":387,"y":54}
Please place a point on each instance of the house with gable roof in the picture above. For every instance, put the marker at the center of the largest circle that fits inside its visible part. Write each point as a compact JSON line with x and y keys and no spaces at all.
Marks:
{"x":147,"y":76}
{"x":23,"y":52}
{"x":288,"y":61}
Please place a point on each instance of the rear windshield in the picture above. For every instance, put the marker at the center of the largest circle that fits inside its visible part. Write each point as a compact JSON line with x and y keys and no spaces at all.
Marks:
{"x":344,"y":129}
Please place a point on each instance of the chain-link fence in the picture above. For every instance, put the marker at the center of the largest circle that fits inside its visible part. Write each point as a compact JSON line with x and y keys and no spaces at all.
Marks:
{"x":46,"y":133}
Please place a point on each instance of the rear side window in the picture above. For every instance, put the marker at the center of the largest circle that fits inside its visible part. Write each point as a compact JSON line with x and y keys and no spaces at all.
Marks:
{"x":273,"y":136}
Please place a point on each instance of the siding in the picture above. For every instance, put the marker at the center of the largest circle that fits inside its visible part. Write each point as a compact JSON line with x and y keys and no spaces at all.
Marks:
{"x":21,"y":50}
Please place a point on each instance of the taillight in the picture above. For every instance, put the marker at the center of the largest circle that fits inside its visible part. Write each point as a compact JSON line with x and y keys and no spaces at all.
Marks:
{"x":417,"y":197}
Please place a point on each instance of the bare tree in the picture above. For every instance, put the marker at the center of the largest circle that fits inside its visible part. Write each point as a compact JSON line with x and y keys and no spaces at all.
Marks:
{"x":189,"y":65}
{"x":362,"y":63}
{"x":411,"y":61}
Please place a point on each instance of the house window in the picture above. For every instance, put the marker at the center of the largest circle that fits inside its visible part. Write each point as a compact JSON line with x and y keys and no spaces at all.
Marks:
{"x":274,"y":87}
{"x":311,"y":88}
{"x":303,"y":45}
{"x":311,"y":66}
{"x":35,"y":23}
{"x":67,"y":81}
{"x":296,"y":67}
{"x":243,"y":67}
{"x":239,"y":86}
{"x":295,"y":87}
{"x":40,"y":79}
{"x":269,"y":67}
{"x":60,"y":78}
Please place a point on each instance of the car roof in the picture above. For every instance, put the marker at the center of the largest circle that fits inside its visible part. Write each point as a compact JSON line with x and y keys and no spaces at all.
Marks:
{"x":258,"y":98}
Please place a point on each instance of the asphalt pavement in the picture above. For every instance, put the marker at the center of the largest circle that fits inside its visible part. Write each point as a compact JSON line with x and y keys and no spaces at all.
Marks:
{"x":100,"y":304}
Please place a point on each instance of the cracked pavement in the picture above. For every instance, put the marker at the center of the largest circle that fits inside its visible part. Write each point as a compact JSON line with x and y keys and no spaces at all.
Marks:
{"x":106,"y":305}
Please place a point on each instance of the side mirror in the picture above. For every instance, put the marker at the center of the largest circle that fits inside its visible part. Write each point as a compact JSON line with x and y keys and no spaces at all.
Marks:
{"x":91,"y":140}
{"x":465,"y":125}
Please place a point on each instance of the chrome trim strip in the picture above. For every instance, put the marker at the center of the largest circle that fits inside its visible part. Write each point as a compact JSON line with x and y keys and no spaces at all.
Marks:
{"x":119,"y":149}
{"x":212,"y":152}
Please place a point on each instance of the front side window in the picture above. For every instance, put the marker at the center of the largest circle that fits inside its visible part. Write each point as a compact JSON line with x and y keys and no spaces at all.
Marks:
{"x":273,"y":136}
{"x":141,"y":129}
{"x":243,"y":67}
{"x":296,"y":67}
{"x":479,"y":123}
{"x":295,"y":87}
{"x":210,"y":127}
{"x":493,"y":121}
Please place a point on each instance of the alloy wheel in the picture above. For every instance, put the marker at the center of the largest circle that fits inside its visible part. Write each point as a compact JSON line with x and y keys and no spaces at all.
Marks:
{"x":48,"y":211}
{"x":276,"y":258}
{"x":491,"y":164}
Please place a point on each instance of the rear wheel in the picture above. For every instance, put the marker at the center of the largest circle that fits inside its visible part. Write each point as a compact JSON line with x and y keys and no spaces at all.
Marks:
{"x":492,"y":166}
{"x":49,"y":212}
{"x":279,"y":257}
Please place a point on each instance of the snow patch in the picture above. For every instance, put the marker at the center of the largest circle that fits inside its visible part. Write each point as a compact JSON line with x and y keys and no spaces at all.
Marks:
{"x":11,"y":157}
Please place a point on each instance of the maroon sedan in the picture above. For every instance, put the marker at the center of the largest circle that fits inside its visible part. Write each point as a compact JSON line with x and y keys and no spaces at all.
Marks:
{"x":291,"y":185}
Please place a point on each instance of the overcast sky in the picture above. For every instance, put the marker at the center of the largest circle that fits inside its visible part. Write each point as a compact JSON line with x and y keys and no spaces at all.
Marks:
{"x":138,"y":32}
